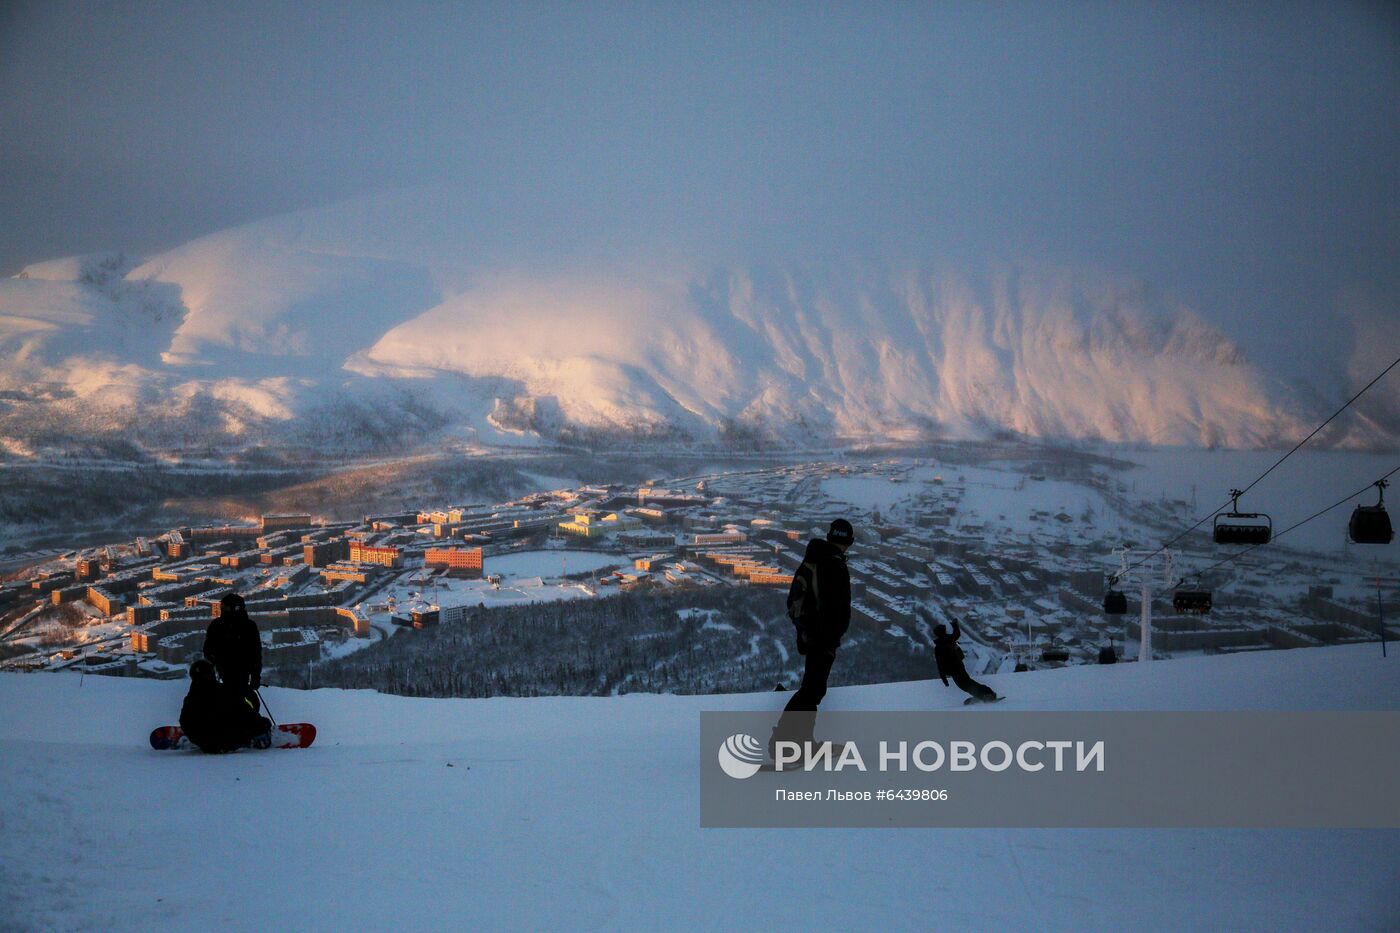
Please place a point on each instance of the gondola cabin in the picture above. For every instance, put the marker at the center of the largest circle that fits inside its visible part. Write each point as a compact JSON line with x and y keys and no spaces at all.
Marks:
{"x":1370,"y":524}
{"x":1195,"y":602}
{"x":1115,"y":603}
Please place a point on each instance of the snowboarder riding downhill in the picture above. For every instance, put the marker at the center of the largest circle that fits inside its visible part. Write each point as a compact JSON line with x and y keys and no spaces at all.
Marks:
{"x":949,"y":658}
{"x":819,"y":604}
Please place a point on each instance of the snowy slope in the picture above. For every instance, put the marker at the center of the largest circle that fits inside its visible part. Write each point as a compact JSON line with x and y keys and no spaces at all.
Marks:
{"x":398,"y":303}
{"x":580,"y":813}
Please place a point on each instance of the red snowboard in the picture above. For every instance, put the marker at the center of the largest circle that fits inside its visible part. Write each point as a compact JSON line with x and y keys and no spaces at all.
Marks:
{"x":287,"y":735}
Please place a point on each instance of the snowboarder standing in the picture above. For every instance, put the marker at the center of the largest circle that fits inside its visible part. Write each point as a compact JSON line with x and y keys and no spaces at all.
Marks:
{"x":949,"y":658}
{"x":819,"y":604}
{"x":217,"y":718}
{"x":233,"y":646}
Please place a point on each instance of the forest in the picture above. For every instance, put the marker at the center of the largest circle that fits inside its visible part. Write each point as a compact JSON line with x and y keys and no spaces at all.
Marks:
{"x":714,"y":640}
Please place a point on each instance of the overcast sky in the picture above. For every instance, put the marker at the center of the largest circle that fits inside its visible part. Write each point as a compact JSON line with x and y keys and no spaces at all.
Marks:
{"x":1243,"y":156}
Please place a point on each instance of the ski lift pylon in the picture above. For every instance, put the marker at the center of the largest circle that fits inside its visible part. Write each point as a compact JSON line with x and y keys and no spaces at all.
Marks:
{"x":1370,"y":524}
{"x":1236,"y":527}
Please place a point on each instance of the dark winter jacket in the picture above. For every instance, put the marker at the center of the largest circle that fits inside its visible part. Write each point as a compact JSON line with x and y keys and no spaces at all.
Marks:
{"x":948,"y":655}
{"x":826,"y":617}
{"x":217,"y":718}
{"x":233,"y":645}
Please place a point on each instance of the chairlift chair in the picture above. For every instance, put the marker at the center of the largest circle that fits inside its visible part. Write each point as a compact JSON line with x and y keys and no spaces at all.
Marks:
{"x":1370,"y":524}
{"x":1236,"y":527}
{"x":1193,"y":602}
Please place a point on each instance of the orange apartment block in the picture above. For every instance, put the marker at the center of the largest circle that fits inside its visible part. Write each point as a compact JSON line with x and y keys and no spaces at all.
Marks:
{"x":367,"y":554}
{"x":457,"y":560}
{"x":771,"y":579}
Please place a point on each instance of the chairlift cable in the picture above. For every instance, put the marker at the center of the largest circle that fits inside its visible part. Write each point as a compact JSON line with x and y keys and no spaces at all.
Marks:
{"x":1118,"y":577}
{"x":1323,"y":425}
{"x":1173,"y":541}
{"x":1235,"y":498}
{"x":1297,"y":524}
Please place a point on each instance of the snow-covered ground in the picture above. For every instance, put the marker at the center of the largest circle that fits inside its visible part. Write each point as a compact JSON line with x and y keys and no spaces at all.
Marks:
{"x":448,"y":593}
{"x":525,"y":578}
{"x":581,"y":813}
{"x":1000,"y":495}
{"x":550,"y":563}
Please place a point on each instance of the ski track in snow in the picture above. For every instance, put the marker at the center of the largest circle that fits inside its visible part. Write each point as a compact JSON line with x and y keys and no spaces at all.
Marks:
{"x":581,"y":813}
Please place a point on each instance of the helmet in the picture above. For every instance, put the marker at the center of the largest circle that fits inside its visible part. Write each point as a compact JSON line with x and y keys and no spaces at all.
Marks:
{"x":231,"y":602}
{"x":841,"y":533}
{"x":202,"y":669}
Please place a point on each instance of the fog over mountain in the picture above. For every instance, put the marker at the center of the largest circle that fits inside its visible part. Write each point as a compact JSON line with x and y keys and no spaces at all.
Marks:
{"x":774,"y":224}
{"x":379,"y":321}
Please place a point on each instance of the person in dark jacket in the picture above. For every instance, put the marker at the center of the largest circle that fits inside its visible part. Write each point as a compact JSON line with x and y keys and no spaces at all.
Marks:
{"x":218,"y":718}
{"x":819,"y":604}
{"x":949,"y":658}
{"x":234,"y":647}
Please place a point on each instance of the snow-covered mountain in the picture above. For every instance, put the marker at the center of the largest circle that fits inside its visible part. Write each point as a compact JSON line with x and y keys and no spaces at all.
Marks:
{"x":384,"y":317}
{"x":563,"y":813}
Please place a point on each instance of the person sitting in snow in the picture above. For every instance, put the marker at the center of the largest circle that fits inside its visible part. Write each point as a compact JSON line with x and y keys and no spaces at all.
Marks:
{"x":949,"y":658}
{"x":217,"y":717}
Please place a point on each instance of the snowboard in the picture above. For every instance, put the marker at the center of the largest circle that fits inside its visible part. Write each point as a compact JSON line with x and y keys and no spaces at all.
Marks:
{"x":286,"y":735}
{"x":971,"y":700}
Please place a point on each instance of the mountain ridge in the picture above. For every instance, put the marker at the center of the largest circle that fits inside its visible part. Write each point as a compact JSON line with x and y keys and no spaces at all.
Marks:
{"x":367,"y":306}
